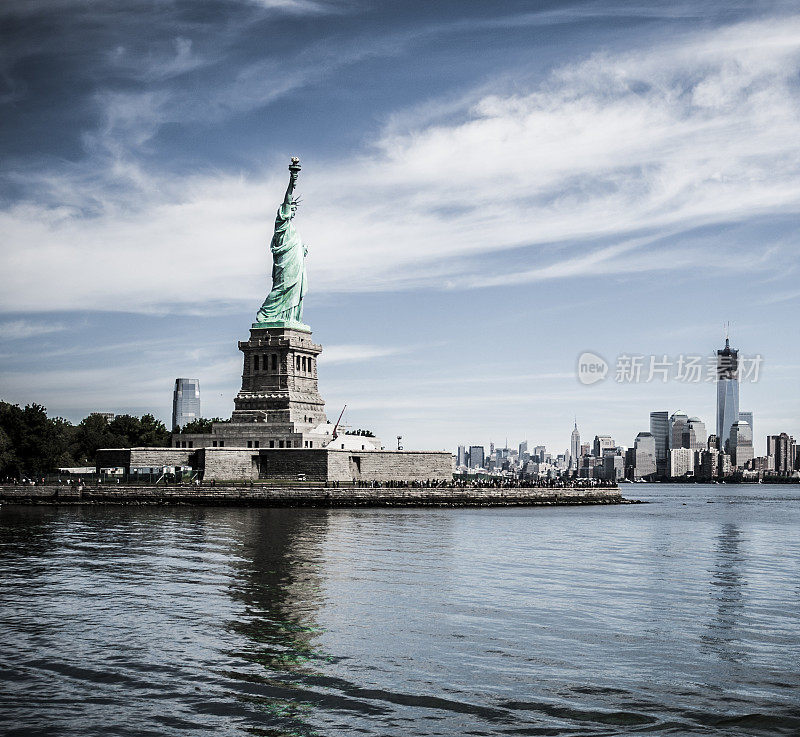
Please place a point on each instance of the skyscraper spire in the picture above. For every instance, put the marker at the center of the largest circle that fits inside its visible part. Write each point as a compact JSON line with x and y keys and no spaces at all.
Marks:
{"x":574,"y":446}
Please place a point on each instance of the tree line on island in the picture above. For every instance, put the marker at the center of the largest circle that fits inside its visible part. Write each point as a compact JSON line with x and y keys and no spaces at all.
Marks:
{"x":33,"y":444}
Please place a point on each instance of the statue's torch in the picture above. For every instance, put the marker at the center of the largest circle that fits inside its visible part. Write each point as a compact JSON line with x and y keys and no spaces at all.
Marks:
{"x":294,"y":168}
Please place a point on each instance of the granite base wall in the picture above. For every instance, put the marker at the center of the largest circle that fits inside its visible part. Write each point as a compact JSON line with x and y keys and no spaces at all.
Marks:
{"x":389,"y":465}
{"x":316,"y":464}
{"x":228,"y":464}
{"x":288,"y":463}
{"x":144,"y":457}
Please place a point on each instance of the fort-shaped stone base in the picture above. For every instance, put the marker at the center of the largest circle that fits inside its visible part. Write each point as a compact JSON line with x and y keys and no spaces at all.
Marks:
{"x":321,"y":465}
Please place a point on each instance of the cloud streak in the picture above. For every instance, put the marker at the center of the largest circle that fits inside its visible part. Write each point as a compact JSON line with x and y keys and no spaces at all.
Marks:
{"x":351,"y":353}
{"x":624,"y":149}
{"x":17,"y":329}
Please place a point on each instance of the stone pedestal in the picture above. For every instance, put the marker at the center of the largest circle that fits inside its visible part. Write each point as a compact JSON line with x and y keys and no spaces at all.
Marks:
{"x":279,"y":380}
{"x":279,"y":404}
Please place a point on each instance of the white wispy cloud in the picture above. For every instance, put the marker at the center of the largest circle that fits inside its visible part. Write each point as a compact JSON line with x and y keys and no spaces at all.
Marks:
{"x":15,"y":329}
{"x":620,"y":148}
{"x":348,"y":353}
{"x":782,"y":296}
{"x":296,"y":7}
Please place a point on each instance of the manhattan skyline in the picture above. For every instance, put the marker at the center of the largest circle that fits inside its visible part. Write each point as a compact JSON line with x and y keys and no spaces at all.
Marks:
{"x":488,"y":192}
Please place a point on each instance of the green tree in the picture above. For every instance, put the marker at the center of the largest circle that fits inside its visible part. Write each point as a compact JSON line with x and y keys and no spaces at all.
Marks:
{"x":33,"y":444}
{"x":128,"y":429}
{"x":92,"y":433}
{"x":154,"y":433}
{"x":62,"y":443}
{"x":9,"y":463}
{"x":37,"y":442}
{"x":11,"y":427}
{"x":200,"y":425}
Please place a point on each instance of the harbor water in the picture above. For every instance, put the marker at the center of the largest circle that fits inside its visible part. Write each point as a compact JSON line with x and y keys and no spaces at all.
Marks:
{"x":676,"y":617}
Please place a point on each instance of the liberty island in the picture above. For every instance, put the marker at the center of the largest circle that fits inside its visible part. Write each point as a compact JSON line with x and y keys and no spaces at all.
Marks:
{"x":279,"y":431}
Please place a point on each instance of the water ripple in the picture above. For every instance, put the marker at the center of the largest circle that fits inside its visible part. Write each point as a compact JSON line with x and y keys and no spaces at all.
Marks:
{"x":678,"y":617}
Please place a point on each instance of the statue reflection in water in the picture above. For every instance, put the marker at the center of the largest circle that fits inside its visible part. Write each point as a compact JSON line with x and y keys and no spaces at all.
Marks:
{"x":723,"y":636}
{"x":278,"y":583}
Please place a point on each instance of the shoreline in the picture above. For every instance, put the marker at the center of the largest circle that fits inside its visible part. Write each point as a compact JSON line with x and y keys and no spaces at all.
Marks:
{"x":312,"y":496}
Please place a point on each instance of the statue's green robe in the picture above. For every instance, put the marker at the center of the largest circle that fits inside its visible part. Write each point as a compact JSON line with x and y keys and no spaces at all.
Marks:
{"x":285,"y":300}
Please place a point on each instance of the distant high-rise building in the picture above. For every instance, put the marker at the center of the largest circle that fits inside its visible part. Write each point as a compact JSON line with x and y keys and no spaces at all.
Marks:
{"x":741,"y":444}
{"x":590,"y":467}
{"x":462,"y":456}
{"x":748,"y":418}
{"x":681,"y":462}
{"x":781,"y":449}
{"x":523,"y":448}
{"x":659,"y":429}
{"x":706,"y":461}
{"x":601,"y":444}
{"x":727,"y":393}
{"x":644,"y":455}
{"x":539,"y":452}
{"x":476,"y":456}
{"x":694,"y":434}
{"x":574,"y":447}
{"x":585,"y":449}
{"x":677,"y":424}
{"x":185,"y":402}
{"x":613,"y":467}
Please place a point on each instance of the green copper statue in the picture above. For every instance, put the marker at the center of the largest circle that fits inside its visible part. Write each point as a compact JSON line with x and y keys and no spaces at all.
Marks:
{"x":283,"y":306}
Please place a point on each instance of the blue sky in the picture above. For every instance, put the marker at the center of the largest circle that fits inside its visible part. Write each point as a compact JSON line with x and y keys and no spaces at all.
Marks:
{"x":489,"y":189}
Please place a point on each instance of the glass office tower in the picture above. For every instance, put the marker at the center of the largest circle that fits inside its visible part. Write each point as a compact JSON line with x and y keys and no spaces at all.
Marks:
{"x":185,"y":402}
{"x":741,"y":444}
{"x":727,"y":394}
{"x":677,"y":424}
{"x":659,"y":429}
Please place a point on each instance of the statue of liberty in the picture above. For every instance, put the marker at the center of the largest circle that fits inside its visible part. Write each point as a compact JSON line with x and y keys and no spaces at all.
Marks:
{"x":283,"y":306}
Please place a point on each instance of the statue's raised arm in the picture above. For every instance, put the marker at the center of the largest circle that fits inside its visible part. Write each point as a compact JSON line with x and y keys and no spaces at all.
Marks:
{"x":294,"y":172}
{"x":283,"y":306}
